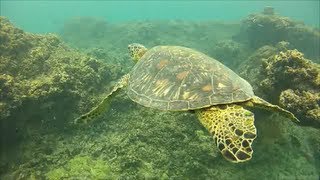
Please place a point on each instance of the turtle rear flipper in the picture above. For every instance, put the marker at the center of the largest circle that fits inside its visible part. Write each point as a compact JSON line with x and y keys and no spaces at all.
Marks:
{"x":232,"y":128}
{"x":104,"y":104}
{"x":263,"y":104}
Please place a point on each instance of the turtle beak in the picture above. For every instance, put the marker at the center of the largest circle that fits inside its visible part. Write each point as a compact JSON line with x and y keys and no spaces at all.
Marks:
{"x":131,"y":51}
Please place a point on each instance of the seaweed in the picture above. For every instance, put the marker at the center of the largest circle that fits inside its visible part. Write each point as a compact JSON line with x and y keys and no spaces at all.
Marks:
{"x":82,"y":167}
{"x":269,"y":28}
{"x":287,"y":78}
{"x":47,"y":83}
{"x":44,"y":83}
{"x":230,"y":52}
{"x":117,"y":36}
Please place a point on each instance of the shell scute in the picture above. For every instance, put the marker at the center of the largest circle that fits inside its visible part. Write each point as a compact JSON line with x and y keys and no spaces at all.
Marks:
{"x":179,"y":78}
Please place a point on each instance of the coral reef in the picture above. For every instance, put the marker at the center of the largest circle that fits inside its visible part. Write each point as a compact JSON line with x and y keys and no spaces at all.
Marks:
{"x":135,"y":142}
{"x":264,"y":29}
{"x":84,"y":30}
{"x":268,"y":10}
{"x":268,"y":28}
{"x":287,"y":78}
{"x":297,"y":79}
{"x":230,"y":52}
{"x":304,"y":103}
{"x":150,"y":33}
{"x":44,"y":83}
{"x":307,"y":40}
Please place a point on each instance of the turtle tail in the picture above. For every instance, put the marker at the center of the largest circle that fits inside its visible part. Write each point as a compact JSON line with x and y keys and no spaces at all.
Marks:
{"x":104,"y":105}
{"x":260,"y":103}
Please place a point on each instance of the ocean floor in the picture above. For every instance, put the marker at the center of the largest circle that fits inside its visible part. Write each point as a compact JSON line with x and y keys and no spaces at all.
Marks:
{"x":47,"y":81}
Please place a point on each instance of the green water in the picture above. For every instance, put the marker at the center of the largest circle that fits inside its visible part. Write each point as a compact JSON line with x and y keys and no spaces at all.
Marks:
{"x":59,"y":59}
{"x":48,"y":16}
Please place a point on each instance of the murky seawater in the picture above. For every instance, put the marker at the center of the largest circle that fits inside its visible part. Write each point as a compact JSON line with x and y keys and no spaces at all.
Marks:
{"x":64,"y":114}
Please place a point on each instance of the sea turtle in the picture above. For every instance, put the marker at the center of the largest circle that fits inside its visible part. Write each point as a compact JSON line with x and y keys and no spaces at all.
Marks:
{"x":176,"y":78}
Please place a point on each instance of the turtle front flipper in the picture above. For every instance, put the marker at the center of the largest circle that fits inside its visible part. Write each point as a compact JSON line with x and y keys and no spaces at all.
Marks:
{"x":232,"y":128}
{"x":263,"y":104}
{"x":104,"y":104}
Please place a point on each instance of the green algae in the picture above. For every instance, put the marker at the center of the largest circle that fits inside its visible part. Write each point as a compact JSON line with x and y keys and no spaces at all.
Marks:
{"x":260,"y":29}
{"x":82,"y":167}
{"x":231,"y":52}
{"x":44,"y":70}
{"x":43,"y":84}
{"x":150,"y":33}
{"x":131,"y":141}
{"x":287,"y":78}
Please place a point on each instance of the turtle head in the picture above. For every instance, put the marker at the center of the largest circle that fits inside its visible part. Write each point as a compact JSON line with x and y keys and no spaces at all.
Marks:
{"x":136,"y":51}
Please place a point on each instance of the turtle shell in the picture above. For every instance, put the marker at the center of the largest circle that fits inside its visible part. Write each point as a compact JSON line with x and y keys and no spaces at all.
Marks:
{"x":179,"y":78}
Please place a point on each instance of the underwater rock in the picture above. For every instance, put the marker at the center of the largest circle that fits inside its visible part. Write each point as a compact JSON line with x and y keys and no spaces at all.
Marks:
{"x":9,"y":91}
{"x":229,"y":52}
{"x":83,"y":30}
{"x":13,"y":41}
{"x":287,"y":78}
{"x":132,"y":142}
{"x":98,"y":53}
{"x":268,"y":10}
{"x":263,"y":29}
{"x":43,"y":81}
{"x":307,"y":40}
{"x":267,"y":28}
{"x":117,"y":36}
{"x":303,"y":103}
